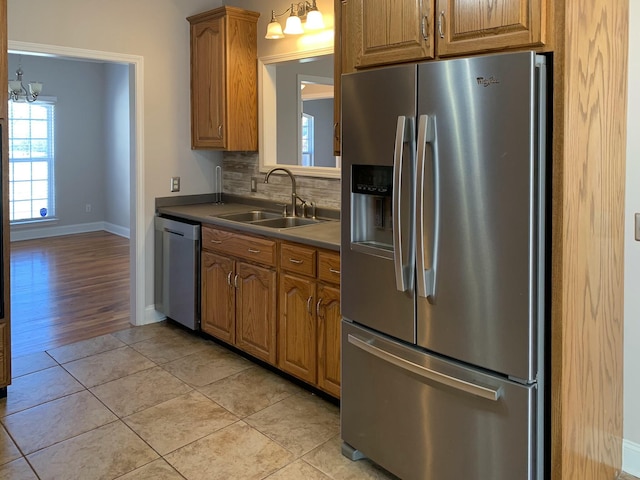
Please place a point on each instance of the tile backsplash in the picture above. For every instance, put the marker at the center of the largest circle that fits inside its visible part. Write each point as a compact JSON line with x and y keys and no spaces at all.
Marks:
{"x":239,"y":167}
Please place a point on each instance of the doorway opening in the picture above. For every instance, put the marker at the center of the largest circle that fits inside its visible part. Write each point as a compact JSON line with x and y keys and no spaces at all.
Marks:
{"x":136,"y":163}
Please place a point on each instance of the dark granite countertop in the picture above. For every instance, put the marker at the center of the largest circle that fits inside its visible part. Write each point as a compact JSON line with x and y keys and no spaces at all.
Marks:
{"x":325,"y":234}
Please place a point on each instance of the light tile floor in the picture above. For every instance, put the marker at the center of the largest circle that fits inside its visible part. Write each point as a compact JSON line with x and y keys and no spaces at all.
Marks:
{"x":157,"y":402}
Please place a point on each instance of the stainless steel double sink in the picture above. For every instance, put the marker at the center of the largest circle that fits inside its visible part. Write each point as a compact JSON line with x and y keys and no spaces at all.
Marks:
{"x":264,"y":218}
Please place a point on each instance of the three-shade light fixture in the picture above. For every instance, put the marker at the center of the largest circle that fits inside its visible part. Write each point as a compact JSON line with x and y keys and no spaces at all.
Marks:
{"x":18,"y":92}
{"x":293,"y":26}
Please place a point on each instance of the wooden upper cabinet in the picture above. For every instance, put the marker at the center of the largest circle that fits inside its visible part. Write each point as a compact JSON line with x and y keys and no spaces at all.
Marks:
{"x":224,"y":78}
{"x":464,"y":26}
{"x":393,"y":31}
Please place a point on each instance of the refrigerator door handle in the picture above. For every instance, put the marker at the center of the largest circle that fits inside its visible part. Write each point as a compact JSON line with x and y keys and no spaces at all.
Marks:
{"x":401,"y":238}
{"x":427,"y":240}
{"x":427,"y":373}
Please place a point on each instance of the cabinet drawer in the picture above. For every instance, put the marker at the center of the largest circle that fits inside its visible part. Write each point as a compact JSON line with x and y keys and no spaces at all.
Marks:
{"x":256,"y":249}
{"x":298,"y":259}
{"x":329,"y":267}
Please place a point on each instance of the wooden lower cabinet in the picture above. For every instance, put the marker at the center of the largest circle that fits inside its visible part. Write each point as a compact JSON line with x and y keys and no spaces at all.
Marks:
{"x":238,"y":298}
{"x":256,"y":311}
{"x":309,"y":317}
{"x":329,"y":317}
{"x":297,"y":327}
{"x":218,"y":305}
{"x":277,"y":301}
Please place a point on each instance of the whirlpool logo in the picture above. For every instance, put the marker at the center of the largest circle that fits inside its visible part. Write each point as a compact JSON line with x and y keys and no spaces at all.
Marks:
{"x":487,"y":81}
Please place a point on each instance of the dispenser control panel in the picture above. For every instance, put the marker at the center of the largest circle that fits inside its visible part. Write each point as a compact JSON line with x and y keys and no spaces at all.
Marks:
{"x":372,"y":180}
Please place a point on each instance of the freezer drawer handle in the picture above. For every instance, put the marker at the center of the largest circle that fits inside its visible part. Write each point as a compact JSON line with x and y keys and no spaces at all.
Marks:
{"x":458,"y":384}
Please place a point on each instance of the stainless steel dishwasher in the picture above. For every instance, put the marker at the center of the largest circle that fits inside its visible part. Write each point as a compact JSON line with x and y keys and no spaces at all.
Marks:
{"x":177,"y":270}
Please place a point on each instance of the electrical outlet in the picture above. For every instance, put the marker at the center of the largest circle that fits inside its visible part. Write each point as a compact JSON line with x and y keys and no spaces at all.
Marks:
{"x":175,"y":184}
{"x":87,"y":208}
{"x":638,"y":227}
{"x":254,"y":184}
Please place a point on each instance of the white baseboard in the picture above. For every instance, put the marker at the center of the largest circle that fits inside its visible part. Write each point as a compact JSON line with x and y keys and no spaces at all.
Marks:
{"x":631,"y":458}
{"x":116,"y":229}
{"x":25,"y":233}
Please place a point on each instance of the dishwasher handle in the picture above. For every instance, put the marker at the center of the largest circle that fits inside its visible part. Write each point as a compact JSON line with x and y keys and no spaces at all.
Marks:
{"x":168,"y":230}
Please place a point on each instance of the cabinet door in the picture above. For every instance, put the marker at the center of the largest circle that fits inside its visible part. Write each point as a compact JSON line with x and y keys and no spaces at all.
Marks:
{"x":208,"y":94}
{"x":297,"y":327}
{"x":467,"y":27}
{"x":217,"y":315}
{"x":394,"y":31}
{"x":328,"y":311}
{"x":256,"y":311}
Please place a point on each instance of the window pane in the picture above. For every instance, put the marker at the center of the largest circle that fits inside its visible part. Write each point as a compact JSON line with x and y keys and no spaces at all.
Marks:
{"x":40,"y":170}
{"x":40,"y":190}
{"x":39,"y":112}
{"x":21,"y":190}
{"x":39,"y":148}
{"x":21,"y":210}
{"x":19,"y":149}
{"x":20,"y":129}
{"x":21,"y":171}
{"x":39,"y":129}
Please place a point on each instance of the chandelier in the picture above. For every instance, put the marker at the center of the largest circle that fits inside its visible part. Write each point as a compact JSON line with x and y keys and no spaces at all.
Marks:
{"x":18,"y":92}
{"x":293,"y":26}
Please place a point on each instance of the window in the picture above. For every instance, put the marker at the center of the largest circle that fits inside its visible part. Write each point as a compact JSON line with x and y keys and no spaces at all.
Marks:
{"x":31,"y":161}
{"x":307,"y":126}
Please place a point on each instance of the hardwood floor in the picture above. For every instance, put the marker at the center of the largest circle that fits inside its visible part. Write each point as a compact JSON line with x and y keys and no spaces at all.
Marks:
{"x":68,"y":288}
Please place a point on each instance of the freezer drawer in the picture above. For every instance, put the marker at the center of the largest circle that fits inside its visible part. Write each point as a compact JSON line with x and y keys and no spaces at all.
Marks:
{"x":421,"y":417}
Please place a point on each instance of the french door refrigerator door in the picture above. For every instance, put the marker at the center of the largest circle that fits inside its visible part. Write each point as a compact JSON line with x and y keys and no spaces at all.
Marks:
{"x":378,"y":151}
{"x":421,"y":417}
{"x":480,"y":211}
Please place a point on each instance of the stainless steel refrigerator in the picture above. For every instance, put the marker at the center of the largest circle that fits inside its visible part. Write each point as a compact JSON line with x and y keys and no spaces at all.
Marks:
{"x":443,"y":267}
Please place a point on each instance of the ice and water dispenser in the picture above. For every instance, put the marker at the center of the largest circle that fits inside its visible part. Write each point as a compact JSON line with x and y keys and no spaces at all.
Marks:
{"x":371,"y":209}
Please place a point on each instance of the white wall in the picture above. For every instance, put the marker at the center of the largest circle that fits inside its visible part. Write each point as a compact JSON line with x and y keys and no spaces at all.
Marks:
{"x":631,"y":458}
{"x":117,"y":145}
{"x":156,"y":30}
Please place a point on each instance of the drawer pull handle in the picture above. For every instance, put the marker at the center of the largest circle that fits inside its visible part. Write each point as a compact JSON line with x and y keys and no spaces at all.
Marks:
{"x":235,"y":281}
{"x":337,"y":272}
{"x":229,"y":279}
{"x":216,"y":241}
{"x":251,"y":250}
{"x":318,"y":308}
{"x":297,"y":262}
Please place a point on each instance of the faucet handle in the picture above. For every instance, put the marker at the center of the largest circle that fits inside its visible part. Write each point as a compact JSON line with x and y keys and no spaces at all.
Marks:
{"x":313,"y":210}
{"x":284,"y":208}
